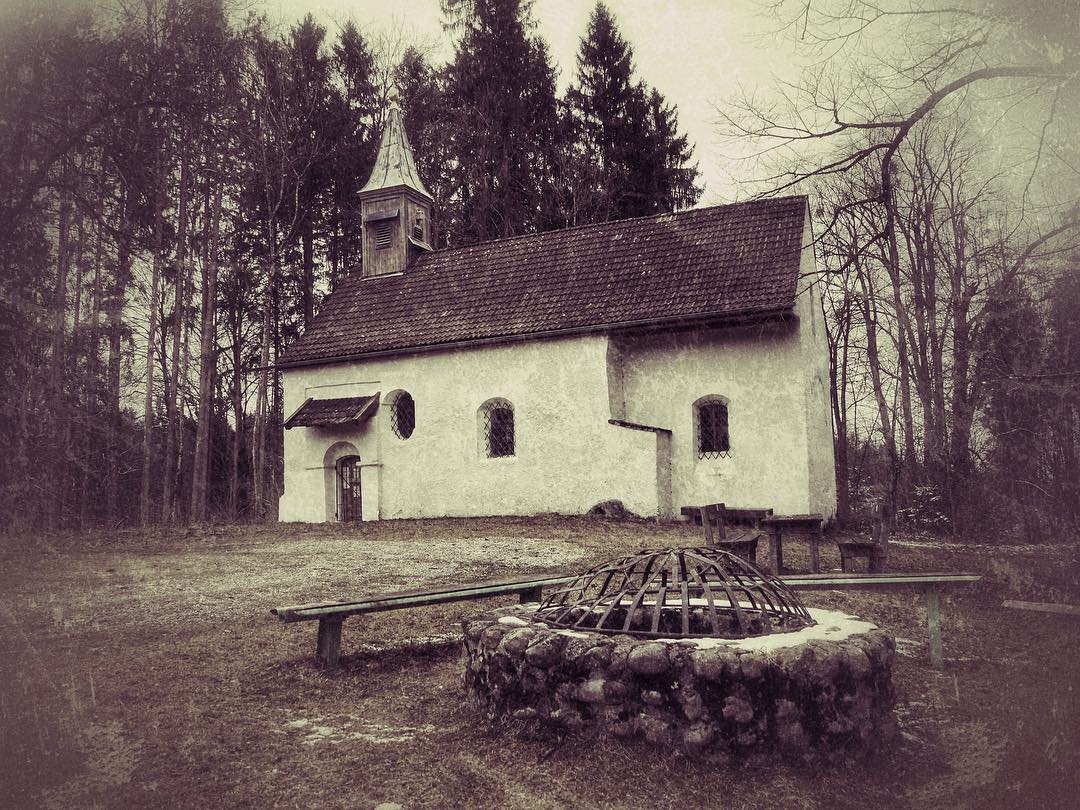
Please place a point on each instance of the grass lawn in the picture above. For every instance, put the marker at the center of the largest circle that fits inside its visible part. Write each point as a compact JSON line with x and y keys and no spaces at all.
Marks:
{"x":144,"y":669}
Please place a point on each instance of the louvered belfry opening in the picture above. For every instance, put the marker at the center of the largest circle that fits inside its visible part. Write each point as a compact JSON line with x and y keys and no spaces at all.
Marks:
{"x":384,"y":237}
{"x":702,"y":592}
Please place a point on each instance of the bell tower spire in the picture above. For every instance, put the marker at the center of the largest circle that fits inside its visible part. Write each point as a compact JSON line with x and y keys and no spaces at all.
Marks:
{"x":395,"y":206}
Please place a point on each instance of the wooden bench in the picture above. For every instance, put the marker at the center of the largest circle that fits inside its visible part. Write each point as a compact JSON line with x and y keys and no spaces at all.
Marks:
{"x":931,"y":584}
{"x":330,"y":615}
{"x":744,"y":544}
{"x":749,"y":517}
{"x":807,"y":525}
{"x":875,"y":550}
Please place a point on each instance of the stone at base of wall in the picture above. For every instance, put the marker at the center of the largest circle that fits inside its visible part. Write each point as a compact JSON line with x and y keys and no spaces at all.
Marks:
{"x":611,"y":509}
{"x":821,"y":698}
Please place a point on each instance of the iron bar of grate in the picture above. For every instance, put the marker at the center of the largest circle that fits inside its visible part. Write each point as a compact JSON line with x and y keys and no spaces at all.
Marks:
{"x":676,"y":593}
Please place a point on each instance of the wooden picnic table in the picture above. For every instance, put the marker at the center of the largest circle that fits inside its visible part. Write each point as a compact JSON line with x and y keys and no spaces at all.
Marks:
{"x":809,"y":526}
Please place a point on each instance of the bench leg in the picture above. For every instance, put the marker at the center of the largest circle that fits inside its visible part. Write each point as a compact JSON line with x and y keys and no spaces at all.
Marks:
{"x":877,"y":562}
{"x":328,"y":647}
{"x":777,"y":552}
{"x":532,"y":595}
{"x":933,"y":620}
{"x":815,"y":558}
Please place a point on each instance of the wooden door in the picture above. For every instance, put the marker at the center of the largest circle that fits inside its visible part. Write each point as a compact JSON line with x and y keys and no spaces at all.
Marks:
{"x":349,"y":500}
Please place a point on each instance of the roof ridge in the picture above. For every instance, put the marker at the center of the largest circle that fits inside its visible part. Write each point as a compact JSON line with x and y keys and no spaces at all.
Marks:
{"x":703,"y":209}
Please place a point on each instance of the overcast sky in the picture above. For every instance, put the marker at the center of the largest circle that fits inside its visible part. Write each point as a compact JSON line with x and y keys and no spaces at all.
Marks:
{"x":695,"y":52}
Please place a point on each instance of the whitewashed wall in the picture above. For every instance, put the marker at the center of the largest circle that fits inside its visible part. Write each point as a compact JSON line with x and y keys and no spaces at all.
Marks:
{"x":821,"y":459}
{"x":568,"y":457}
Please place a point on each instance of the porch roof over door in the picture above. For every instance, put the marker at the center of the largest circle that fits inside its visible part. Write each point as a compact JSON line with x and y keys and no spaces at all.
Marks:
{"x":344,"y":411}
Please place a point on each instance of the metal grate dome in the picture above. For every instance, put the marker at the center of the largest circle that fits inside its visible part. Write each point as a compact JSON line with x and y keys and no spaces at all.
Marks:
{"x":702,"y":592}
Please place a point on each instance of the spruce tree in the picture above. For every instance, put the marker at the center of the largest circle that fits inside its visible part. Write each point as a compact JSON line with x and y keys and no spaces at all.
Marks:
{"x":356,"y":101}
{"x":626,"y":157}
{"x":422,"y":95}
{"x":501,"y":90}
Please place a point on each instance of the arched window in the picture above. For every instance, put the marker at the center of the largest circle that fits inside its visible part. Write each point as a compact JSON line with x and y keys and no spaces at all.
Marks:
{"x":402,"y":414}
{"x":496,"y":422}
{"x":711,"y":427}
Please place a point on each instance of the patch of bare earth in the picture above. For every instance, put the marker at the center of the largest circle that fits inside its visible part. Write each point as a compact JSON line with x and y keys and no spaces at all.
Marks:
{"x":144,"y":669}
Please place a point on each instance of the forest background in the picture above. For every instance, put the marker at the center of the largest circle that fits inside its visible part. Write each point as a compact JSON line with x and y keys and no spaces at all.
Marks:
{"x":178,"y":191}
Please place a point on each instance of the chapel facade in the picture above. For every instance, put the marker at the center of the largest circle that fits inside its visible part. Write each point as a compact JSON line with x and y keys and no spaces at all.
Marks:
{"x":662,"y":361}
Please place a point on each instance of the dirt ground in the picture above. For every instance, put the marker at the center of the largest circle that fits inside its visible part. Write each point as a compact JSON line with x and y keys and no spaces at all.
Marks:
{"x":144,"y":669}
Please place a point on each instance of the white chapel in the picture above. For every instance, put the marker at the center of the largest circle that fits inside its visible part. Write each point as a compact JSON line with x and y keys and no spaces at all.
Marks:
{"x":662,"y":361}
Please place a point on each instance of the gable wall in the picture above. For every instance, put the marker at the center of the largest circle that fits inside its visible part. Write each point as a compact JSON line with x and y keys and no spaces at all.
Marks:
{"x":756,"y":369}
{"x":774,"y":377}
{"x":568,"y":457}
{"x":821,"y":459}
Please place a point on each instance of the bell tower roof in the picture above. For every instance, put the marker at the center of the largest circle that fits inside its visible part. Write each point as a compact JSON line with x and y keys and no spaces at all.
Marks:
{"x":395,"y":166}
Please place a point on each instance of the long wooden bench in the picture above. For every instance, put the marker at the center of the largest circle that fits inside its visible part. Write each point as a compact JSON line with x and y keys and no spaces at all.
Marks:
{"x":931,"y":584}
{"x":330,"y":615}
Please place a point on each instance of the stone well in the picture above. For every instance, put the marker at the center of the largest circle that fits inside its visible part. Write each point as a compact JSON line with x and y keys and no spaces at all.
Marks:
{"x":822,"y":686}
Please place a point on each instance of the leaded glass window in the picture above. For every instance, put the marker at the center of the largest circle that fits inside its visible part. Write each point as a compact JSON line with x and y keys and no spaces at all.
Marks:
{"x":712,"y":429}
{"x":497,"y":423}
{"x":403,"y":415}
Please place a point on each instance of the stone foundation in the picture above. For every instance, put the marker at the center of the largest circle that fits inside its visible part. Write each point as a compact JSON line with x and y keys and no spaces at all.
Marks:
{"x":822,"y":689}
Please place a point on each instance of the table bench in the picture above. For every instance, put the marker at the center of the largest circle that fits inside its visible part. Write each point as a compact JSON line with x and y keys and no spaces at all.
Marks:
{"x":808,"y":525}
{"x":750,"y":517}
{"x":715,"y":516}
{"x":330,"y":615}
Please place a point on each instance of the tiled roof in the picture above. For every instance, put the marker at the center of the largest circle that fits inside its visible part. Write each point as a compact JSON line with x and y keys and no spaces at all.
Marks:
{"x":709,"y":262}
{"x":340,"y":411}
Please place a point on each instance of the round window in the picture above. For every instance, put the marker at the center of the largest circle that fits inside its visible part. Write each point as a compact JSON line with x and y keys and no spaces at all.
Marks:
{"x":403,"y":415}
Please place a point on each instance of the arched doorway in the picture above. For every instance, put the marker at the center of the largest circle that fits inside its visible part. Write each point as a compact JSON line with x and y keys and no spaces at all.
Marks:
{"x":349,"y":501}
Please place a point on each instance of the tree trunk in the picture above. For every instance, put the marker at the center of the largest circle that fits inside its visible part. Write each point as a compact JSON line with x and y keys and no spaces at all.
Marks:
{"x":169,"y":460}
{"x":63,"y":262}
{"x":185,"y":369}
{"x":307,"y":291}
{"x":238,"y":429}
{"x":115,"y":314}
{"x":148,"y":466}
{"x":868,"y":306}
{"x":208,"y":355}
{"x":902,"y":328}
{"x":259,"y":433}
{"x":60,"y":461}
{"x":838,"y":368}
{"x":91,"y":413}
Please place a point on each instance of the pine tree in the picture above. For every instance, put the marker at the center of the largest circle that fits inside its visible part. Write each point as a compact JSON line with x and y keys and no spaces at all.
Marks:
{"x":423,"y":98}
{"x":355,"y":140}
{"x":501,"y":90}
{"x":626,"y":157}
